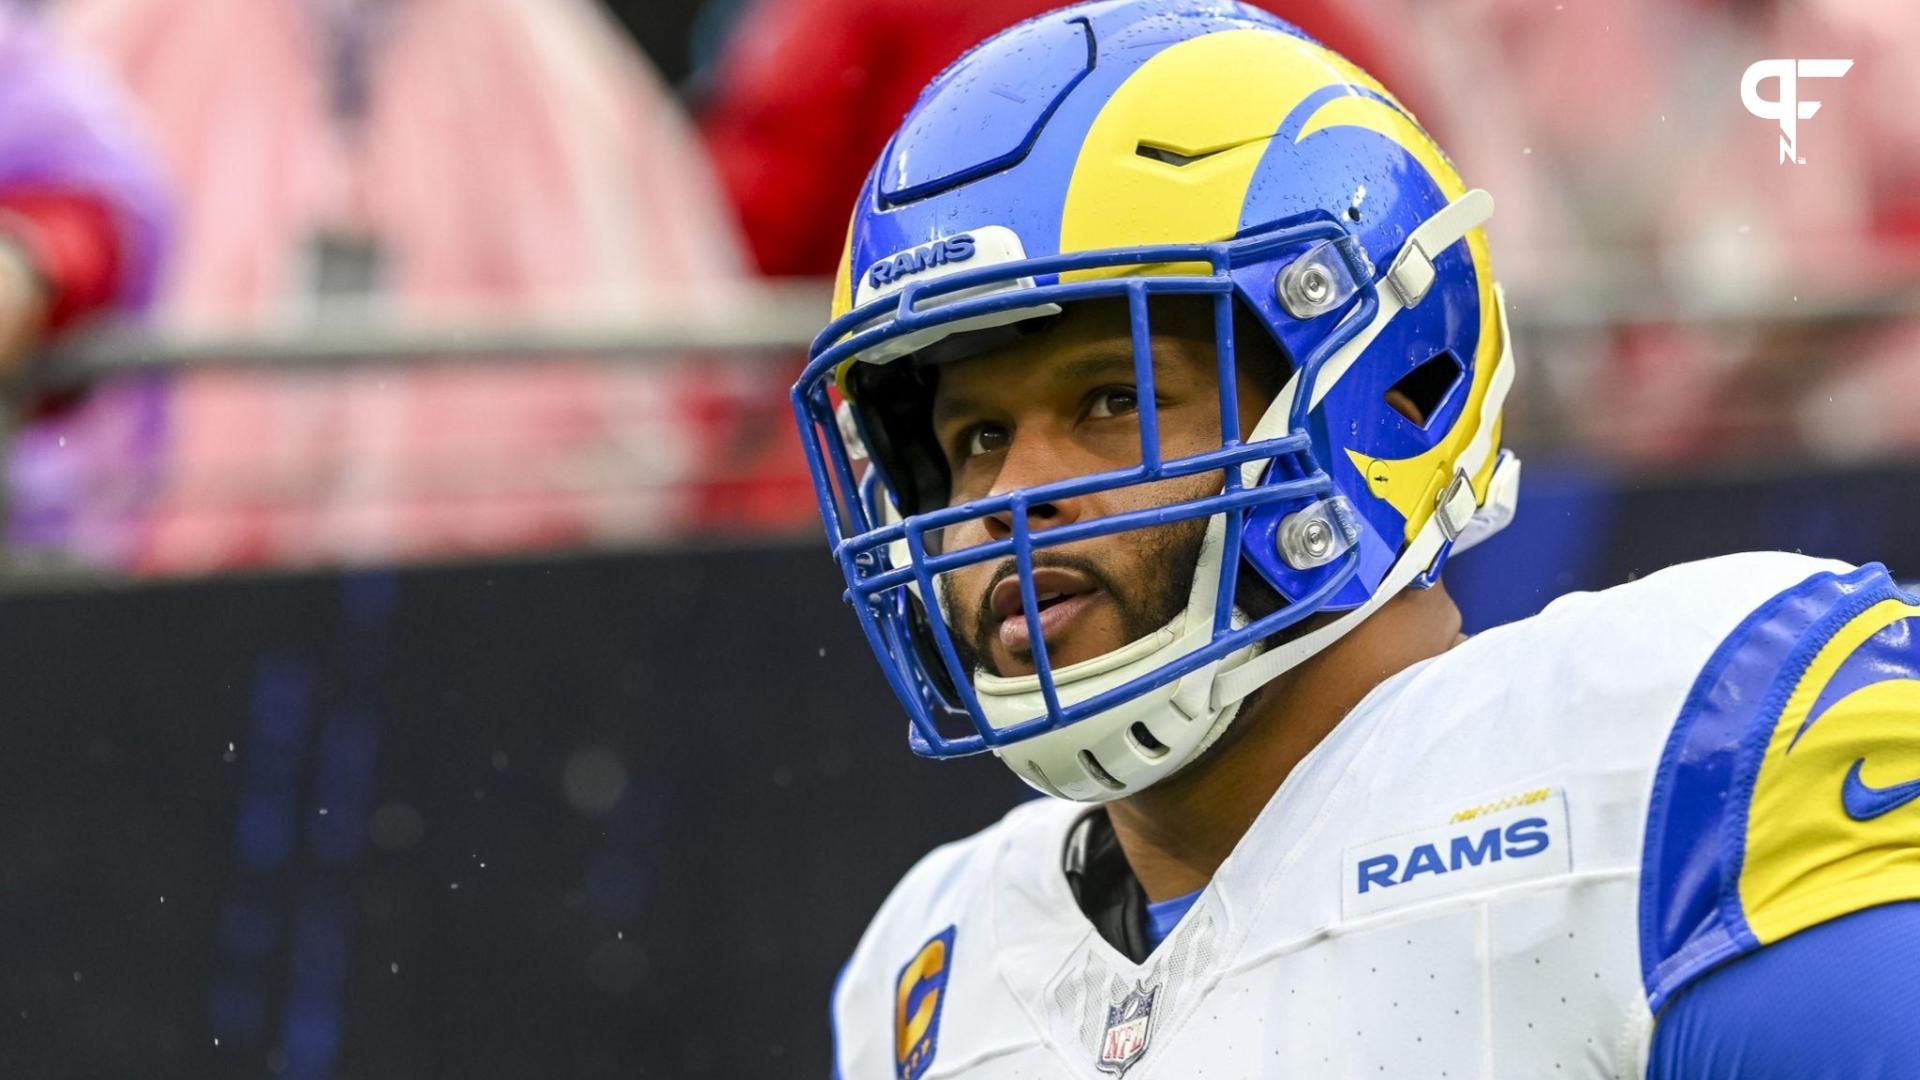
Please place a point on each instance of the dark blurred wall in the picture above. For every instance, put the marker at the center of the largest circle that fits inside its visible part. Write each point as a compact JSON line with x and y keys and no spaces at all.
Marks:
{"x":596,"y":817}
{"x":606,"y":817}
{"x":665,"y":29}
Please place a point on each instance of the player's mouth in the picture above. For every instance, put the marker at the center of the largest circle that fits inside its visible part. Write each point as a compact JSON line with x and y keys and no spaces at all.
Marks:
{"x":1062,"y":594}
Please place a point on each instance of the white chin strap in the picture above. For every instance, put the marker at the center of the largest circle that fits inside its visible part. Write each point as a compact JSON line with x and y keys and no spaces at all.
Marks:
{"x":1125,"y":749}
{"x":1457,"y":517}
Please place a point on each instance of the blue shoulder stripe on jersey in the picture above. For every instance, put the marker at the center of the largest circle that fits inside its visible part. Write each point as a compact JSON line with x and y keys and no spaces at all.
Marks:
{"x":1690,"y":914}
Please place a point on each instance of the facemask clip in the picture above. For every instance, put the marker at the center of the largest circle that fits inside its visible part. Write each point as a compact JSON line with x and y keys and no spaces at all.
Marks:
{"x":1319,"y":281}
{"x":1318,"y":534}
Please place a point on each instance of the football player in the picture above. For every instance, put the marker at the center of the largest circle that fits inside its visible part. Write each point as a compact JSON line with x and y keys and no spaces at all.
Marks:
{"x":1166,"y":376}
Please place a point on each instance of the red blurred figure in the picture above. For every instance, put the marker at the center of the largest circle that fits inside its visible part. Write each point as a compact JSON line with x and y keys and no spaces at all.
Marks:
{"x":59,"y":260}
{"x":808,"y":91}
{"x":81,"y":212}
{"x":418,"y":161}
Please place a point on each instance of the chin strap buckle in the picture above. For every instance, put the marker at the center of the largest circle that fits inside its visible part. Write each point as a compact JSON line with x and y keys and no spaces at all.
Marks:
{"x":1456,"y":507}
{"x":1496,"y":511}
{"x":1412,"y":274}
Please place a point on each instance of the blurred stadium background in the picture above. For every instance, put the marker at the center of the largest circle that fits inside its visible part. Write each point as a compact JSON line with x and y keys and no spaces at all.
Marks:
{"x":420,"y":658}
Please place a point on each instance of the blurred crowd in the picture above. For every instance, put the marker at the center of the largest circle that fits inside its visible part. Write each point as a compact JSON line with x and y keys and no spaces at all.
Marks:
{"x":237,"y":166}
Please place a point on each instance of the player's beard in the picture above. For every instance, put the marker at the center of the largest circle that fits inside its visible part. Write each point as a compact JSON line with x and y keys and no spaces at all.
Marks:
{"x":1158,"y":587}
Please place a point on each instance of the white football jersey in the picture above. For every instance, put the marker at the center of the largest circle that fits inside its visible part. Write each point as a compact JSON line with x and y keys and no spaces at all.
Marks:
{"x":1498,"y":865}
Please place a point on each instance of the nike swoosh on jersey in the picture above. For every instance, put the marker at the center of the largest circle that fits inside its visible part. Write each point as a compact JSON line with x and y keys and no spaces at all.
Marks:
{"x":1864,"y":803}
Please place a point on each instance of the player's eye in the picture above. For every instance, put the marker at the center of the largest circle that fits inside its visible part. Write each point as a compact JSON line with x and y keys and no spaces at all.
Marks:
{"x":1112,"y":401}
{"x":981,"y":439}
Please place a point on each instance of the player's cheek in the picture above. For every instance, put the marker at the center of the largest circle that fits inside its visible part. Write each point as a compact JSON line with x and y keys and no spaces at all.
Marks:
{"x":1167,"y":492}
{"x":1106,"y":627}
{"x":1190,"y":424}
{"x":964,"y":535}
{"x":963,"y":588}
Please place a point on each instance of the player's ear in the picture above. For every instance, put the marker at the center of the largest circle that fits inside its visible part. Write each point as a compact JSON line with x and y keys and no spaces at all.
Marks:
{"x":1404,"y":405}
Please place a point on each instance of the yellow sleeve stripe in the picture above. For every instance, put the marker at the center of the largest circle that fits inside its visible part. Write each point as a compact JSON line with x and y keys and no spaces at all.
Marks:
{"x":1808,"y":858}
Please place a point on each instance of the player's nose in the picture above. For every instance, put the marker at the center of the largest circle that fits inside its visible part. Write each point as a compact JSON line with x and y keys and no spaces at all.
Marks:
{"x":1031,"y":463}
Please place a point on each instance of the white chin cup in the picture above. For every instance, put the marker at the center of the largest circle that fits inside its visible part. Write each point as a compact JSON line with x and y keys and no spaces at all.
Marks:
{"x":1123,"y":750}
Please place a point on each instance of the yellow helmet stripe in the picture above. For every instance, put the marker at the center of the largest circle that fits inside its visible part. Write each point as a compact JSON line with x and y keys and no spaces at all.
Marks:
{"x":1220,"y":98}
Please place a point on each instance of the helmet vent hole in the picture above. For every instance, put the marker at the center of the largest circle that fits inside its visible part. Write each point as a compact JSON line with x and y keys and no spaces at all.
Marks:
{"x":1040,"y":780}
{"x":1353,"y":213}
{"x":1143,"y":739}
{"x":1174,"y":157}
{"x":1099,"y":772}
{"x":1423,"y":392}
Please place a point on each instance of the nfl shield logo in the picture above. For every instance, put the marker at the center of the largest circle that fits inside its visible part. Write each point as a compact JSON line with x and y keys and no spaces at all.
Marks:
{"x":1129,"y":1025}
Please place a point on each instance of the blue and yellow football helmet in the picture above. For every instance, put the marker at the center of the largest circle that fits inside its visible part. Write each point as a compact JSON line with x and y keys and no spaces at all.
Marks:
{"x":1129,"y":150}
